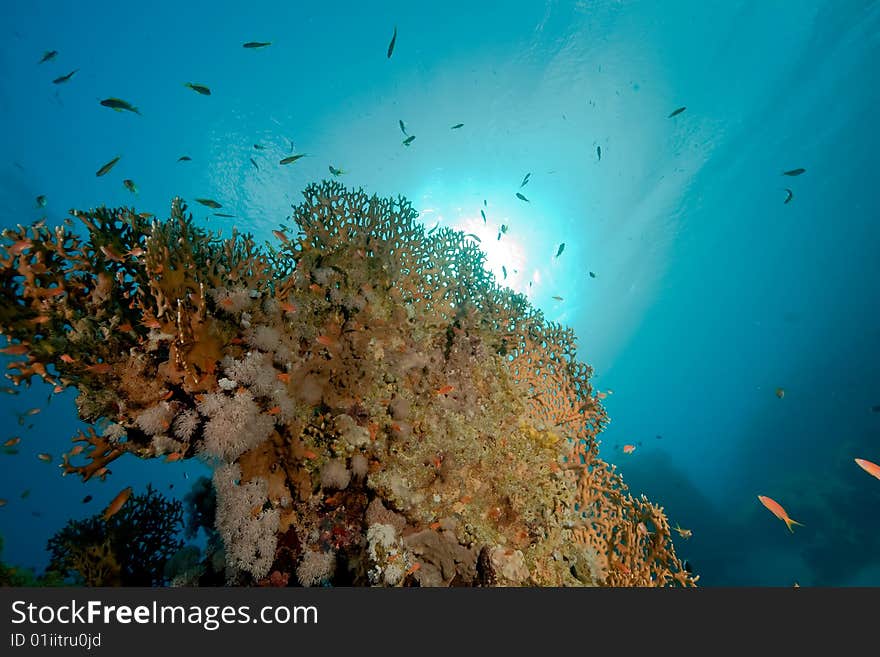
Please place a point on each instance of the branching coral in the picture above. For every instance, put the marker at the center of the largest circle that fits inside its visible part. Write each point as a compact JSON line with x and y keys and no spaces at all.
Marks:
{"x":129,"y":549}
{"x":368,"y":395}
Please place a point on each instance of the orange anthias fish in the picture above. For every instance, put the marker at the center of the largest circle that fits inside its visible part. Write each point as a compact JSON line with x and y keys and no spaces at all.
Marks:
{"x":445,"y":390}
{"x":118,"y":501}
{"x":629,"y":449}
{"x":684,"y":533}
{"x":47,"y":458}
{"x":871,"y":468}
{"x":325,"y":340}
{"x":12,"y":442}
{"x":15,"y":349}
{"x":777,"y":510}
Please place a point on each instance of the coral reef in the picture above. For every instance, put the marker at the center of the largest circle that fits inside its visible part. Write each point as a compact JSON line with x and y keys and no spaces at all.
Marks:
{"x":131,"y":548}
{"x":376,"y":408}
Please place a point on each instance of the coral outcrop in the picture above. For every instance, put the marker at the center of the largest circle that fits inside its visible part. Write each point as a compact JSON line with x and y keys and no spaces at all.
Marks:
{"x":377,"y":409}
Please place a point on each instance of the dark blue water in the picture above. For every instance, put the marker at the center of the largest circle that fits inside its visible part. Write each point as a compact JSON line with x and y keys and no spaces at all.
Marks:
{"x":709,"y":291}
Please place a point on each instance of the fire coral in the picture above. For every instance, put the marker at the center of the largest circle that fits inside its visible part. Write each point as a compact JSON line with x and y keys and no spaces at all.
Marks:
{"x":306,"y":373}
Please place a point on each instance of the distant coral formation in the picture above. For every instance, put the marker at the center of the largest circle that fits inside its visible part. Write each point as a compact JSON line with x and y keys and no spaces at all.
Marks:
{"x":131,"y":548}
{"x":376,"y":408}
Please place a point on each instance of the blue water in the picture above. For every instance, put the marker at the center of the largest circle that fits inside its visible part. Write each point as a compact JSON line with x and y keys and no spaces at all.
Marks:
{"x":709,"y":292}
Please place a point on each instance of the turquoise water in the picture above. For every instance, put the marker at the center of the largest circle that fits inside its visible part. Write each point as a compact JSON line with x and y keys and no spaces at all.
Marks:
{"x":709,"y":292}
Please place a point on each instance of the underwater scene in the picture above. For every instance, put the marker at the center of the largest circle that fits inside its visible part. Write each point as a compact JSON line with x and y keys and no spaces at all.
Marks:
{"x":525,"y":293}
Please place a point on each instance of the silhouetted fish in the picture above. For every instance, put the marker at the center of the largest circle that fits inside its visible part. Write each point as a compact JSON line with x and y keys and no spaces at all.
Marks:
{"x":677,"y":112}
{"x":794,"y":172}
{"x":198,"y":88}
{"x":393,"y":41}
{"x":789,"y":196}
{"x":256,"y":44}
{"x":118,"y":104}
{"x":211,"y":203}
{"x":104,"y":169}
{"x":64,"y":78}
{"x":87,"y":499}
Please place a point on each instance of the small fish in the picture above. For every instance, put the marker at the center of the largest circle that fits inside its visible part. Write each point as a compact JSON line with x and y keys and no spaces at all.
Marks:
{"x":198,"y":88}
{"x":794,"y":172}
{"x":64,"y":78}
{"x":117,"y":502}
{"x":789,"y":196}
{"x":457,"y":126}
{"x":26,"y":493}
{"x":483,"y":215}
{"x":472,"y":236}
{"x":409,"y":140}
{"x":99,"y":368}
{"x":224,"y":215}
{"x":393,"y":41}
{"x":402,"y":126}
{"x":256,"y":44}
{"x":629,"y":449}
{"x":256,"y":166}
{"x":560,"y":250}
{"x":599,"y":153}
{"x":41,"y":201}
{"x":325,"y":340}
{"x":684,"y":533}
{"x":557,"y":298}
{"x":335,"y":171}
{"x":118,"y":105}
{"x":12,"y":442}
{"x":525,"y":181}
{"x":184,"y":158}
{"x":259,"y":147}
{"x":15,"y":350}
{"x":281,"y":236}
{"x":32,"y":411}
{"x":9,"y":390}
{"x":211,"y":203}
{"x":3,"y":502}
{"x":106,"y":168}
{"x":592,"y":274}
{"x":292,"y":158}
{"x":522,"y":198}
{"x":875,"y":409}
{"x":777,"y":510}
{"x":658,"y":437}
{"x":87,"y":499}
{"x":780,"y":392}
{"x":48,"y":56}
{"x":677,"y":112}
{"x":871,"y":468}
{"x":45,"y":457}
{"x":504,"y":272}
{"x":130,"y":186}
{"x":173,"y":456}
{"x":445,"y":390}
